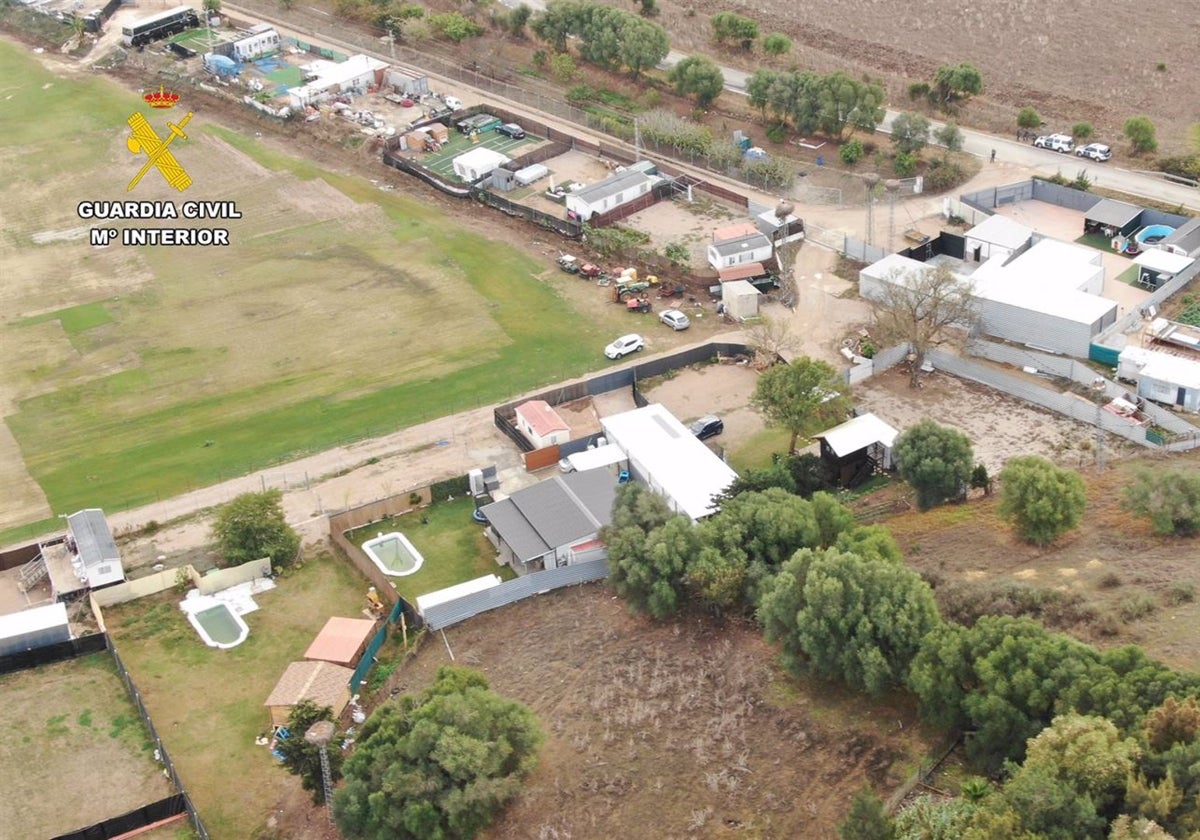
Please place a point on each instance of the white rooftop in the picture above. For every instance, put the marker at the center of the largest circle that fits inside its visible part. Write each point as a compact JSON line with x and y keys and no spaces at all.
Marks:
{"x":601,"y":456}
{"x":32,"y":620}
{"x":680,"y":467}
{"x":459,"y":590}
{"x":1164,"y":367}
{"x":1001,"y":230}
{"x":1161,"y":261}
{"x":859,"y":433}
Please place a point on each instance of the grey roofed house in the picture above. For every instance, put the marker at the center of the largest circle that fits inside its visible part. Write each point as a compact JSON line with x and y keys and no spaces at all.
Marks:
{"x":611,"y":186}
{"x":95,"y":547}
{"x":551,"y":515}
{"x":750,"y":242}
{"x":1108,"y":213}
{"x":1185,"y":240}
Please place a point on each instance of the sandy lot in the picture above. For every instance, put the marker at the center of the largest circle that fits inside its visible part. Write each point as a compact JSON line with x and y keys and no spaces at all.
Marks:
{"x":721,"y":389}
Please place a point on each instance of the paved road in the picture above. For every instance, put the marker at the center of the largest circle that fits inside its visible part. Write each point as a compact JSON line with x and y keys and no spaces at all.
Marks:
{"x":981,"y":145}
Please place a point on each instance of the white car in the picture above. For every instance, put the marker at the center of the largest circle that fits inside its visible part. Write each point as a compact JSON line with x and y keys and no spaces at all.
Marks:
{"x":1096,"y":151}
{"x":1064,"y":143}
{"x":624,"y":345}
{"x":675,"y":319}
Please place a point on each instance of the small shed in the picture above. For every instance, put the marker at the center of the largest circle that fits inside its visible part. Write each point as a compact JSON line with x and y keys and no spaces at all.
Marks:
{"x":530,"y":174}
{"x":608,"y":194}
{"x":749,"y":248}
{"x":257,"y":41}
{"x":341,"y":641}
{"x":996,"y":236}
{"x":323,"y":683}
{"x":541,"y":425}
{"x":1156,"y":266}
{"x":1185,"y":240}
{"x":407,"y":83}
{"x":34,"y":628}
{"x":1110,"y":218}
{"x":740,"y":299}
{"x":477,"y":163}
{"x":453,"y":593}
{"x":1162,"y":377}
{"x":858,"y":448}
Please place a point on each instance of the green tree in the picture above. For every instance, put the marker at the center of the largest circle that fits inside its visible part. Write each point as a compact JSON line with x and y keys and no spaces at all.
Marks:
{"x":646,"y":560}
{"x":518,"y":18}
{"x":954,"y":84}
{"x":980,"y":480}
{"x":454,"y":26}
{"x":643,"y":44}
{"x":212,"y":7}
{"x":1141,"y":135}
{"x":1126,"y":827}
{"x":1171,"y":501}
{"x":929,"y":818}
{"x":1172,"y":723}
{"x":950,"y":137}
{"x":728,"y":26}
{"x":562,"y":67}
{"x":1087,"y":754}
{"x":905,"y":163}
{"x":1048,"y":807}
{"x":557,"y":22}
{"x":1028,"y":118}
{"x":303,"y":758}
{"x":923,"y":309}
{"x":777,"y":44}
{"x":804,"y":396}
{"x":252,"y":526}
{"x":935,"y":460}
{"x":697,"y":76}
{"x":910,"y":132}
{"x":438,"y":765}
{"x":1042,"y":501}
{"x":851,"y":152}
{"x":838,"y":102}
{"x":867,"y":819}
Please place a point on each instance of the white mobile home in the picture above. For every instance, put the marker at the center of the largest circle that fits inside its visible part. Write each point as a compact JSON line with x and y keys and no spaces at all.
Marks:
{"x":324,"y":78}
{"x":477,"y":163}
{"x":665,"y":455}
{"x":1161,"y":377}
{"x":609,"y":194}
{"x":749,"y":248}
{"x":996,"y":236}
{"x":541,"y":425}
{"x":257,"y":41}
{"x":34,"y":628}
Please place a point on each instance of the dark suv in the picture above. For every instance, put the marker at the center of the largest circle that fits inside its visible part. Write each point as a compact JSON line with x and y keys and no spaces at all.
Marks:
{"x":511,"y":130}
{"x":707,"y":427}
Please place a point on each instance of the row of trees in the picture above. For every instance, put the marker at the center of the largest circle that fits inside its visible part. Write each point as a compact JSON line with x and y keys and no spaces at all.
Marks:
{"x":605,"y":36}
{"x":730,"y":27}
{"x":835,"y":104}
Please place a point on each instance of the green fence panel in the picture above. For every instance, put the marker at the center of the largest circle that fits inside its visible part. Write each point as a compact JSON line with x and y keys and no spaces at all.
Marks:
{"x":1104,"y":355}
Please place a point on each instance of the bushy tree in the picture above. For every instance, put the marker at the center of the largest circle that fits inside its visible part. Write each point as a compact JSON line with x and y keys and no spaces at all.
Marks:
{"x":867,"y":819}
{"x":1172,"y":723}
{"x":1082,"y":131}
{"x":929,"y":818}
{"x":851,"y":152}
{"x":804,"y":397}
{"x":1126,"y":827}
{"x":950,"y":136}
{"x":1087,"y":754}
{"x":1170,"y":500}
{"x":935,"y":460}
{"x":1028,"y":117}
{"x":645,"y":566}
{"x":518,"y":18}
{"x":697,"y":76}
{"x":454,"y":26}
{"x":644,"y":44}
{"x":440,"y":764}
{"x":1042,"y":501}
{"x":1048,"y":808}
{"x":954,"y":84}
{"x":728,"y":26}
{"x":924,"y":308}
{"x":777,"y":44}
{"x":1141,"y":135}
{"x":910,"y":132}
{"x":303,"y":758}
{"x":834,"y":104}
{"x":252,"y":526}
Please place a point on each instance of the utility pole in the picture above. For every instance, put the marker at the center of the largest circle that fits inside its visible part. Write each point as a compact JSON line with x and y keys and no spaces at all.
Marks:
{"x":321,"y":733}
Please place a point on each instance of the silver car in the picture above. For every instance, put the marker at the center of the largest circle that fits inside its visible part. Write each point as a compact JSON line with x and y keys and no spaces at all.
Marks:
{"x":675,"y":319}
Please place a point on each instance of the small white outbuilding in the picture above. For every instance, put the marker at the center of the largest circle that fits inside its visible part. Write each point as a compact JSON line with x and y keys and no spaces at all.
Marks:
{"x":477,"y":163}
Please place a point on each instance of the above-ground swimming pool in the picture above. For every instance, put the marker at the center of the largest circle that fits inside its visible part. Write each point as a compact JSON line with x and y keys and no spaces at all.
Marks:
{"x":217,"y":624}
{"x":1153,"y":233}
{"x":393,"y":554}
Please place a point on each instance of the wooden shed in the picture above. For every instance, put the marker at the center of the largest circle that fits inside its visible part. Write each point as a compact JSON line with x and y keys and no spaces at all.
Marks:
{"x":341,"y":641}
{"x":323,"y":683}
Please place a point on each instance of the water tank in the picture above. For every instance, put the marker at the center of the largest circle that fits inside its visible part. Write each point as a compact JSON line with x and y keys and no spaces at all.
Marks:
{"x":475,"y":478}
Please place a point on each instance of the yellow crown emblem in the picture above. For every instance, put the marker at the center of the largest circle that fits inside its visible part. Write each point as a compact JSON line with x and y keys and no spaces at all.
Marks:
{"x":161,"y":98}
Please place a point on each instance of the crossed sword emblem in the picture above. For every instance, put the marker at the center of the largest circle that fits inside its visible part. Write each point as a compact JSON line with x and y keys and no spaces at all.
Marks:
{"x":145,"y":140}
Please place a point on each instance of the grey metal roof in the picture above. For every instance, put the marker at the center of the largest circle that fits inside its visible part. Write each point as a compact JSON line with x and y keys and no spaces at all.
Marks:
{"x":749,"y":242}
{"x":93,"y":539}
{"x":1113,"y":213}
{"x":553,"y":512}
{"x":511,"y":591}
{"x":610,"y":186}
{"x":1186,"y":237}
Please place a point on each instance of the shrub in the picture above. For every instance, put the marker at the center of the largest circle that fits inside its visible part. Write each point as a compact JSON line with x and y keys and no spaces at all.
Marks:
{"x":563,"y":68}
{"x":777,"y":133}
{"x":980,"y":480}
{"x":851,"y":152}
{"x":1082,"y":130}
{"x":905,"y":164}
{"x":1028,"y":118}
{"x":777,"y":44}
{"x":455,"y":27}
{"x":1170,"y":501}
{"x":1042,"y":501}
{"x":540,"y":59}
{"x":944,"y":175}
{"x":1135,"y":606}
{"x":918,"y":90}
{"x":450,"y":488}
{"x":1141,"y":135}
{"x":1109,"y":580}
{"x":1181,"y":593}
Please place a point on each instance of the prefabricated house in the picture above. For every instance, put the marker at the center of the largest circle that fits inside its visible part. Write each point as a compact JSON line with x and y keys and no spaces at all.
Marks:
{"x":996,"y":236}
{"x":407,"y":83}
{"x":1185,"y":240}
{"x":323,"y":683}
{"x":665,"y":455}
{"x":553,"y":523}
{"x":324,"y":78}
{"x":608,"y":194}
{"x":740,"y":299}
{"x":33,"y":628}
{"x":341,"y":641}
{"x":541,"y":425}
{"x":1110,"y":218}
{"x":257,"y":41}
{"x":1156,"y":267}
{"x":1162,"y":377}
{"x":858,"y":448}
{"x":748,"y":248}
{"x":477,"y":163}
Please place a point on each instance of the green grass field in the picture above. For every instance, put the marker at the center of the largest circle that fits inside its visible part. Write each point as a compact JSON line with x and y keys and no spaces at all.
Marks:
{"x":452,"y":544}
{"x":208,"y":704}
{"x":442,"y":161}
{"x":339,"y":312}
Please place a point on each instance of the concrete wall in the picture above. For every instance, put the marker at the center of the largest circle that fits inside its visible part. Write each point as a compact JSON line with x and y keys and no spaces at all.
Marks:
{"x":152,"y":584}
{"x":218,"y":579}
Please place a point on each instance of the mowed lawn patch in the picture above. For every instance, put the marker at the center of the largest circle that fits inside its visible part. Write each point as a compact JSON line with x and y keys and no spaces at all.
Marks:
{"x":207,"y":704}
{"x":339,"y":312}
{"x":73,"y":750}
{"x":451,"y":544}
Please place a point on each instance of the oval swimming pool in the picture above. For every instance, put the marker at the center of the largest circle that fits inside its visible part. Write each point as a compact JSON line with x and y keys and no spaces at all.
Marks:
{"x":1153,"y":233}
{"x":216,"y":623}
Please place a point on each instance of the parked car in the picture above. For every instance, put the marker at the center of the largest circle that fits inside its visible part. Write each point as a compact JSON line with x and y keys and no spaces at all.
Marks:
{"x":1056,"y":142}
{"x":452,"y":102}
{"x":708,"y":426}
{"x":624,"y":345}
{"x":565,"y":466}
{"x":1096,"y":151}
{"x":674,"y":319}
{"x":511,"y":130}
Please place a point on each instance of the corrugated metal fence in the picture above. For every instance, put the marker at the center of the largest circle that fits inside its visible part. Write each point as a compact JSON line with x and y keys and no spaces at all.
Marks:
{"x":509,"y":592}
